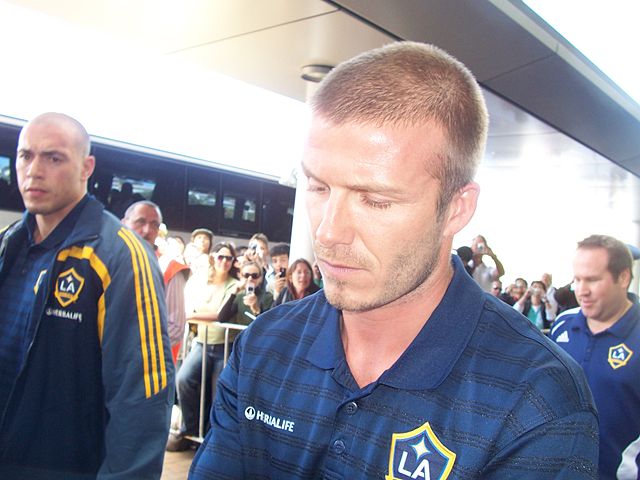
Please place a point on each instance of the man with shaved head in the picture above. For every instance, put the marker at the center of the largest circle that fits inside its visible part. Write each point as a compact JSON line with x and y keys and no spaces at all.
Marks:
{"x":86,"y":383}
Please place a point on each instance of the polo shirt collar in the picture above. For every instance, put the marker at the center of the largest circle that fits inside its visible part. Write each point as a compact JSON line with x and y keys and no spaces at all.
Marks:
{"x":433,"y":353}
{"x":621,"y":329}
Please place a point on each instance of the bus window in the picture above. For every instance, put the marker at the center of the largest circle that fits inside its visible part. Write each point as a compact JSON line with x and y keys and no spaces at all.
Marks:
{"x":5,"y":169}
{"x":277,"y":212}
{"x":201,"y":196}
{"x":202,"y":199}
{"x":239,"y":200}
{"x":5,"y":180}
{"x":128,"y":189}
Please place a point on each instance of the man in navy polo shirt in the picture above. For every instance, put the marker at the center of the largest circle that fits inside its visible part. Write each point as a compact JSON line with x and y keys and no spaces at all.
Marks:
{"x":401,"y":367}
{"x":603,"y":335}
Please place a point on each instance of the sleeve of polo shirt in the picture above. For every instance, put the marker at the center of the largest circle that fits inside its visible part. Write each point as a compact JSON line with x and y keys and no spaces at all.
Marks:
{"x":566,"y":448}
{"x":220,"y":455}
{"x":137,"y":369}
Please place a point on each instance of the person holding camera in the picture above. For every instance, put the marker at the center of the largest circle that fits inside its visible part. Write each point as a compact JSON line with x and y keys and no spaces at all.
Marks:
{"x":250,"y":299}
{"x":258,"y":250}
{"x":482,"y":273}
{"x":275,"y":275}
{"x":535,"y":305}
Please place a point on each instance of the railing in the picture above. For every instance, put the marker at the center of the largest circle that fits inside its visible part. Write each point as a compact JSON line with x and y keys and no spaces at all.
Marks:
{"x":203,"y":378}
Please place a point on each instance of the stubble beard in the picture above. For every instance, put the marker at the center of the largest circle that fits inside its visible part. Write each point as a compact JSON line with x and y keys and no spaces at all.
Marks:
{"x":407,"y":275}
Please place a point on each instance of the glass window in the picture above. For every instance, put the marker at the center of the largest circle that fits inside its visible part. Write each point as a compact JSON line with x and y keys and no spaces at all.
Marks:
{"x":239,"y":203}
{"x":203,"y":196}
{"x":229,"y":206}
{"x":203,"y":203}
{"x":5,"y":169}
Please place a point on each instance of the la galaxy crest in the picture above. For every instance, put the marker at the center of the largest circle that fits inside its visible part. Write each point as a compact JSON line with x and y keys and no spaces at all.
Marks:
{"x":68,"y":287}
{"x":619,"y":356}
{"x":419,"y":454}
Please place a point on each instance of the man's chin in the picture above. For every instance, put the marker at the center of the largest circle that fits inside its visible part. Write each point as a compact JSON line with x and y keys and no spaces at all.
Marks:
{"x":344,"y":300}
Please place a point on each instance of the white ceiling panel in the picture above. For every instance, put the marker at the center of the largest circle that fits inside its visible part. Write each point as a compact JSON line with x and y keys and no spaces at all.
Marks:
{"x":170,"y":25}
{"x":272,"y":58}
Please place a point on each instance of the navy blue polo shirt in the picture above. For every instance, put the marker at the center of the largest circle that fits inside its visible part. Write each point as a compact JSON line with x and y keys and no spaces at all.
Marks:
{"x":18,"y":287}
{"x":479,"y":393}
{"x":611,"y":361}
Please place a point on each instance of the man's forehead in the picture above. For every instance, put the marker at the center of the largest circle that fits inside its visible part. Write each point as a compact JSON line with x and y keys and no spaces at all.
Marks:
{"x":146,"y":212}
{"x":48,"y":135}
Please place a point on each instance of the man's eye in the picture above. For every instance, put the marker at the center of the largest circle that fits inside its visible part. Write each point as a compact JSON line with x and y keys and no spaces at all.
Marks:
{"x":380,"y":205}
{"x":313,"y":186}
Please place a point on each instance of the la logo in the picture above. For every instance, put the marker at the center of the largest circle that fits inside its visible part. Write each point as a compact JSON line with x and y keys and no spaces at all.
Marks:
{"x":419,"y":454}
{"x":68,"y":287}
{"x":619,"y":356}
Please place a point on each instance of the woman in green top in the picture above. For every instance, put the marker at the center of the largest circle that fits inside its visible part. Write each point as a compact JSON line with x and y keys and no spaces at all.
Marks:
{"x":204,"y":296}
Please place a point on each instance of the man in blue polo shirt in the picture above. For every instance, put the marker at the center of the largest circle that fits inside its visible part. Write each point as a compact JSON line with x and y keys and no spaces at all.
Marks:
{"x":401,"y":367}
{"x":603,"y":335}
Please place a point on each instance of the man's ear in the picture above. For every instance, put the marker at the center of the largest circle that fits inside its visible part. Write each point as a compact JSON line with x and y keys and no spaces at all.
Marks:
{"x":461,"y":208}
{"x":88,"y":166}
{"x":625,"y":278}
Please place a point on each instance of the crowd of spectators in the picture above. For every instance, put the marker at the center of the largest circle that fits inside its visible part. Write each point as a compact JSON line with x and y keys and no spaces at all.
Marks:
{"x":538,"y":300}
{"x":209,"y":284}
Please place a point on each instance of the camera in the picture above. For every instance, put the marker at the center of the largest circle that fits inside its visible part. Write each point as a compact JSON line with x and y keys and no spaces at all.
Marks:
{"x":282,"y":273}
{"x":253,"y":246}
{"x":481,"y":247}
{"x":250,"y":289}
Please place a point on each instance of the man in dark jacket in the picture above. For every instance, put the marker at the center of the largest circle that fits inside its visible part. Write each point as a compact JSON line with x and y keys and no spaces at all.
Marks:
{"x":86,"y":383}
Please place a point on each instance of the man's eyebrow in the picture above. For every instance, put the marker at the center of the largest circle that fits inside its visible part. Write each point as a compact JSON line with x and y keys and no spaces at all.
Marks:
{"x":47,"y":153}
{"x":305,"y":170}
{"x":371,"y":186}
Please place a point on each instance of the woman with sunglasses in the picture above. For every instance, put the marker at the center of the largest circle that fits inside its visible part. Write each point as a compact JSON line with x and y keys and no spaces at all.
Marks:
{"x":250,"y":299}
{"x":299,"y":282}
{"x":203,"y":301}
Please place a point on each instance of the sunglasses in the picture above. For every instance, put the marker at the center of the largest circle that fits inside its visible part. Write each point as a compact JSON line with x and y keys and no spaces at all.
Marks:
{"x":255,"y":276}
{"x":224,"y":257}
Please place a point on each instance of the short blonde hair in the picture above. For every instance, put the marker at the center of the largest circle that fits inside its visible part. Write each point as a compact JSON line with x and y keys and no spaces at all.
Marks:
{"x":409,"y":84}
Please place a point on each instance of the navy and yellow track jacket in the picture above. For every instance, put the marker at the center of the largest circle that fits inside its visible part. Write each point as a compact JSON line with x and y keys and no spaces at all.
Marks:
{"x":94,"y":394}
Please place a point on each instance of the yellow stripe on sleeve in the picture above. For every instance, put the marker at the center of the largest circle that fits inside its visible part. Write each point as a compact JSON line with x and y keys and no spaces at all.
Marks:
{"x":155,"y":325}
{"x":153,"y":315}
{"x":141,"y":320}
{"x":139,"y":249}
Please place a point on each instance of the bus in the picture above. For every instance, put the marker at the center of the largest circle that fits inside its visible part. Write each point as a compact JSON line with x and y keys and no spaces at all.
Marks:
{"x":191,"y":193}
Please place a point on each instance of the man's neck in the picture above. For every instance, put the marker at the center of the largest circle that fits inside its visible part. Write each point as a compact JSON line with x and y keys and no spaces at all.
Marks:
{"x":45,"y":224}
{"x":374,"y":340}
{"x":600,"y":325}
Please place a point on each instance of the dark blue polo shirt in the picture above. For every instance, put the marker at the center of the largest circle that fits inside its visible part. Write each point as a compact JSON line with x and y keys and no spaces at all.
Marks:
{"x":17,"y":294}
{"x":611,"y":361}
{"x":479,"y":393}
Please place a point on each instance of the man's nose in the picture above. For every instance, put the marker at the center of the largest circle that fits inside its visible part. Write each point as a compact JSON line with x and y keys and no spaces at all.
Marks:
{"x":36,"y":167}
{"x":336,"y":225}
